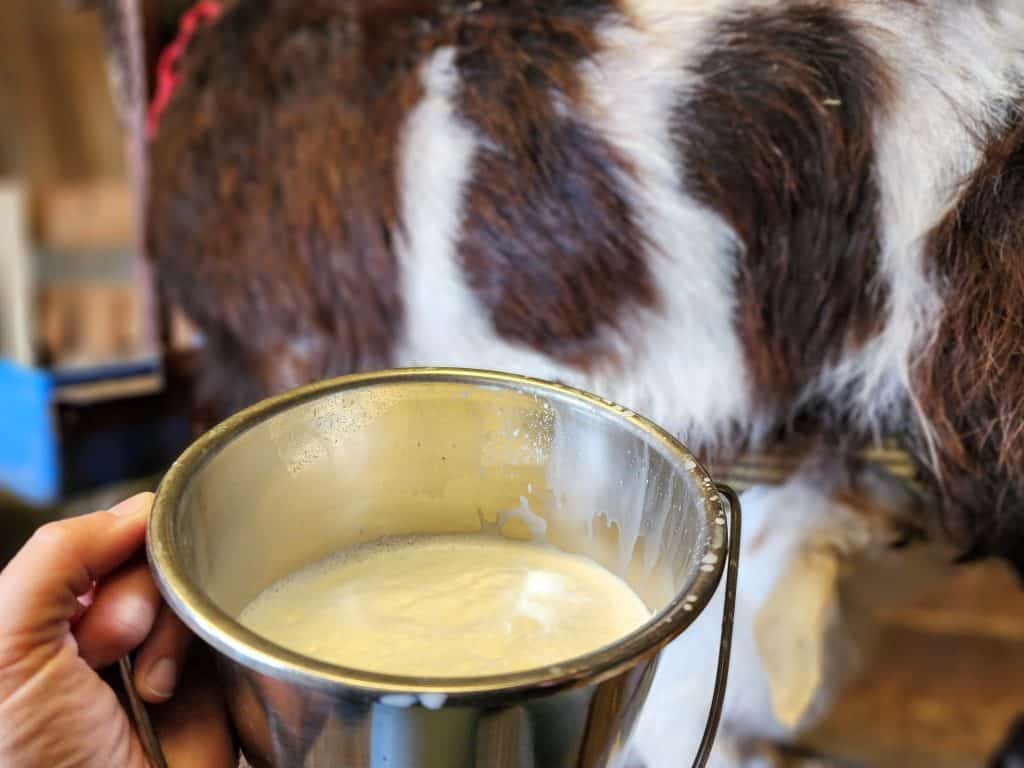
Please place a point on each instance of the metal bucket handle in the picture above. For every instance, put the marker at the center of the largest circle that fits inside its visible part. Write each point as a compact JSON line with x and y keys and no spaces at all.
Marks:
{"x":728,"y":613}
{"x":151,"y":745}
{"x":143,"y":725}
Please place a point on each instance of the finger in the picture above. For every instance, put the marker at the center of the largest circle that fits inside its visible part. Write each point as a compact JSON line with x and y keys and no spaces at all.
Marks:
{"x":159,"y":663}
{"x":40,"y":586}
{"x":123,"y":613}
{"x":193,"y":726}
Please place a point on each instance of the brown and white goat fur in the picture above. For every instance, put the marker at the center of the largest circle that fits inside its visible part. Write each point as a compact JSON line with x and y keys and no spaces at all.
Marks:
{"x":730,"y":215}
{"x":741,"y":218}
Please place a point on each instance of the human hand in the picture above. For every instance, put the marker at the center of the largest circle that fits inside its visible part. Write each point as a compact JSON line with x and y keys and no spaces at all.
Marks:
{"x":74,"y":600}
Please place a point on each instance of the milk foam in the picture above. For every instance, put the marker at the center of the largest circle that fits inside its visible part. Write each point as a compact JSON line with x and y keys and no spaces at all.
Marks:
{"x":447,"y":606}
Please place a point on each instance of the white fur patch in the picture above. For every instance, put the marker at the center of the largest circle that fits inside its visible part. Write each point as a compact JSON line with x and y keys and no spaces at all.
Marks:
{"x":951,"y":64}
{"x":683,"y":364}
{"x":444,"y":321}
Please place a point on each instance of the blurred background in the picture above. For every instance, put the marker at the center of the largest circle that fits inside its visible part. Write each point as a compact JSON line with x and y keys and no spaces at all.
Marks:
{"x":95,"y":388}
{"x":94,"y":384}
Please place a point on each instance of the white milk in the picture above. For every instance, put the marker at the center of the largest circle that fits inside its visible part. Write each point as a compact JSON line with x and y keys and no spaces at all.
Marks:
{"x":447,"y":606}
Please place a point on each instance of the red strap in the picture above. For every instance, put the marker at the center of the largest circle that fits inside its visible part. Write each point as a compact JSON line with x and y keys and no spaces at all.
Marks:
{"x":203,"y":13}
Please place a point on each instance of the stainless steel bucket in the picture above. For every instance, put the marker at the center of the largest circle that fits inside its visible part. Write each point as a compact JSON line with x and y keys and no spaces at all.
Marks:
{"x":295,"y":478}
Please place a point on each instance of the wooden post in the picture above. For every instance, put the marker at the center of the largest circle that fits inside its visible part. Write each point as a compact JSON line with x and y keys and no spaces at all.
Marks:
{"x":16,"y":334}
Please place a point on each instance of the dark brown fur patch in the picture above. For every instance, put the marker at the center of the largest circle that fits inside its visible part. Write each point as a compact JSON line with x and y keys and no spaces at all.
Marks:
{"x":275,"y":189}
{"x":778,"y":139}
{"x":970,"y":381}
{"x":549,"y":241}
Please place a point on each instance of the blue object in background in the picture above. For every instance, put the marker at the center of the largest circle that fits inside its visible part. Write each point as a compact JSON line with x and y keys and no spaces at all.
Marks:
{"x":29,"y":460}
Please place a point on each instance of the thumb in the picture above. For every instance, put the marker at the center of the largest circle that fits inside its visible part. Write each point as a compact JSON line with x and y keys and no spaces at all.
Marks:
{"x":40,"y":587}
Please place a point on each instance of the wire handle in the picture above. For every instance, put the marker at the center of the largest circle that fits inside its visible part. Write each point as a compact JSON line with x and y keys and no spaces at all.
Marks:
{"x":143,"y":725}
{"x":728,"y":613}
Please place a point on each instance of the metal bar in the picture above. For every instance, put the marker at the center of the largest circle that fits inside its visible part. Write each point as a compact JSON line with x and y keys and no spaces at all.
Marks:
{"x":728,"y":614}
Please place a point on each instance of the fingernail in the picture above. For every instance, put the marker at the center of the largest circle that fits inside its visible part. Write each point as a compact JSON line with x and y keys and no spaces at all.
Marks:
{"x":132,"y":506}
{"x":162,"y":678}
